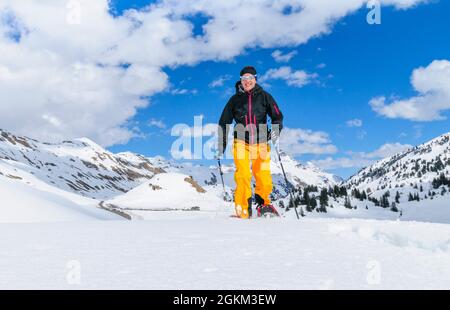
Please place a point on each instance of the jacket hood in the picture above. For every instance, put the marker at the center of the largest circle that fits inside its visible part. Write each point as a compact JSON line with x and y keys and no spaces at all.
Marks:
{"x":240,"y":88}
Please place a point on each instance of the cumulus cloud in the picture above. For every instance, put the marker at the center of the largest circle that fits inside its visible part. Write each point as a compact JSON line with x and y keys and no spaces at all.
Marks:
{"x":433,"y":86}
{"x":298,"y":141}
{"x":298,"y":78}
{"x":280,"y":57}
{"x":52,"y":83}
{"x":361,"y":159}
{"x":71,"y":69}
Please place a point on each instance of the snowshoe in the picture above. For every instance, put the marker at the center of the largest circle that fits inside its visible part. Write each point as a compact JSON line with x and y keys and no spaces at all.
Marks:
{"x":267,"y":211}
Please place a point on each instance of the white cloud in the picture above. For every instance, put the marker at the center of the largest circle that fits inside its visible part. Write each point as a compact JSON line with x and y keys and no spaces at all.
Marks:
{"x":331,"y":163}
{"x":361,"y":159}
{"x":433,"y":85}
{"x":387,"y":150}
{"x":297,"y":78}
{"x":220,"y":81}
{"x":70,"y":69}
{"x":280,"y":57}
{"x":52,"y":84}
{"x":403,"y":4}
{"x":157,"y":123}
{"x":297,"y":141}
{"x":354,"y":123}
{"x":321,"y":66}
{"x":183,"y":91}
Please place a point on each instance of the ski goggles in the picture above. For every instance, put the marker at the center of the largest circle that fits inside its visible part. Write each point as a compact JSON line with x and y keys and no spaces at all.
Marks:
{"x":248,"y":77}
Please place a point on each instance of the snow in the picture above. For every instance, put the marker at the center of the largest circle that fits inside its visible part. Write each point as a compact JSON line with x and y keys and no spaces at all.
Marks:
{"x":400,"y":171}
{"x":52,"y":225}
{"x":22,"y":203}
{"x":434,"y":211}
{"x":198,"y":250}
{"x":167,"y":191}
{"x":79,"y":166}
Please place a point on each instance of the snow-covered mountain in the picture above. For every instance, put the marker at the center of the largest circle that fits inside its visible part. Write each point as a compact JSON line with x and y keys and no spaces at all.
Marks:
{"x":412,"y":171}
{"x":87,"y":175}
{"x":299,"y":175}
{"x":79,"y":166}
{"x":83,"y":168}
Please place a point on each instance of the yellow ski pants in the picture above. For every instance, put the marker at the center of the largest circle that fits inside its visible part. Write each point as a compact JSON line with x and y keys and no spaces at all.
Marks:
{"x":258,"y":155}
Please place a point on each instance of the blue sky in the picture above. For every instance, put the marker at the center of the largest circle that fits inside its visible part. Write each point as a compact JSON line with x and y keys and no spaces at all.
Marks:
{"x":333,"y":118}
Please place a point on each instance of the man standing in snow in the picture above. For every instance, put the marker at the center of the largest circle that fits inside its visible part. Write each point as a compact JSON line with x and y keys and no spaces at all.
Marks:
{"x":249,"y":108}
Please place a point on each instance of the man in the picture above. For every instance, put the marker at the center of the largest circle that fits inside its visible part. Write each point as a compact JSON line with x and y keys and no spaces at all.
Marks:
{"x":249,"y":108}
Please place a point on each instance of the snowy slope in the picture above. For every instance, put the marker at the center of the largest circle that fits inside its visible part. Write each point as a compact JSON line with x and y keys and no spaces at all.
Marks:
{"x":21,"y":203}
{"x":185,"y":252}
{"x":407,"y":174}
{"x":80,"y":166}
{"x":433,"y":211}
{"x":403,"y":171}
{"x":168,"y":191}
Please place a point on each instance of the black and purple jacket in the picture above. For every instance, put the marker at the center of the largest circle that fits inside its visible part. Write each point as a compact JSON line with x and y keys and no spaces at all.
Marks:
{"x":249,"y":109}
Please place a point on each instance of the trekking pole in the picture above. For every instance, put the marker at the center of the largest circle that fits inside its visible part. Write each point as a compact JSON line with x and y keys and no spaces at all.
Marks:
{"x":221,"y":177}
{"x":286,"y":180}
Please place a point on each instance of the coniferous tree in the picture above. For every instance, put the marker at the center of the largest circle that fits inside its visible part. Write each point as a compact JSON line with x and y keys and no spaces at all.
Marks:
{"x":384,"y":201}
{"x":347,"y":203}
{"x":323,"y":198}
{"x":364,"y":195}
{"x":313,"y":203}
{"x":441,"y":180}
{"x":305,"y":198}
{"x":394,"y":207}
